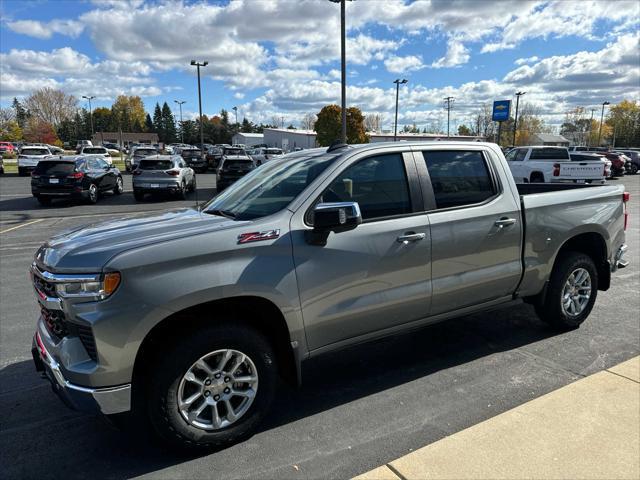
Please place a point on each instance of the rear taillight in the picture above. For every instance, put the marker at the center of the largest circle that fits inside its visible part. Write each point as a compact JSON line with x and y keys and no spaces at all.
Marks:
{"x":625,"y":198}
{"x":173,"y":173}
{"x":556,"y":169}
{"x":76,"y":175}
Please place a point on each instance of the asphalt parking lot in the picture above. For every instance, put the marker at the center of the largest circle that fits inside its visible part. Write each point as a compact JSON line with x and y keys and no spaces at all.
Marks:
{"x":358,"y":408}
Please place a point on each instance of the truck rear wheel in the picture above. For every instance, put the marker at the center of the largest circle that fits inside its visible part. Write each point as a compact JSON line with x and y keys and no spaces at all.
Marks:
{"x":537,"y":177}
{"x":213,"y":387}
{"x":571,"y":293}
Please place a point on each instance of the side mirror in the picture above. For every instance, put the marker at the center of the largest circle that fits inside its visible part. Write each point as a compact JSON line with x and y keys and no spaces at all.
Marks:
{"x":337,"y":216}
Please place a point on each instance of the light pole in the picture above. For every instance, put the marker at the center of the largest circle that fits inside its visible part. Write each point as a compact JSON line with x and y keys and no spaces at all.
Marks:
{"x":343,"y":75}
{"x":180,"y":103}
{"x":397,"y":81}
{"x":601,"y":119}
{"x":590,"y":127}
{"x":515,"y":123}
{"x":90,"y":97}
{"x":198,"y":65}
{"x":235,"y":110}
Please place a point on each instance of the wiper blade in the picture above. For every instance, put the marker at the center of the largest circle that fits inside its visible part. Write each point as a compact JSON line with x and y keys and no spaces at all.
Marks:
{"x":221,"y":213}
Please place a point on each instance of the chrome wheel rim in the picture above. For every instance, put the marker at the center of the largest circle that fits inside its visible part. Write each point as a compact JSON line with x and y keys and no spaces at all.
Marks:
{"x":119,"y":184}
{"x":576,"y":292}
{"x":93,"y":192}
{"x":218,"y":389}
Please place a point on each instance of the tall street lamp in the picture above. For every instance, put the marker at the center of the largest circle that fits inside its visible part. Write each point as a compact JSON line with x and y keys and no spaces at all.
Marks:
{"x":198,"y":65}
{"x":90,"y":97}
{"x":398,"y":82}
{"x":601,"y":119}
{"x":235,"y":110}
{"x":343,"y":75}
{"x":180,"y":103}
{"x":515,"y":123}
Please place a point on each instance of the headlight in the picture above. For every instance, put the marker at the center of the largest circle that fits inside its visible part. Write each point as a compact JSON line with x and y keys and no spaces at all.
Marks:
{"x":96,"y":288}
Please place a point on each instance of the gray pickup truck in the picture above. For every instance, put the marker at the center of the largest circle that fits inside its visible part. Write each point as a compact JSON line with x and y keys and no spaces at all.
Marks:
{"x":188,"y":319}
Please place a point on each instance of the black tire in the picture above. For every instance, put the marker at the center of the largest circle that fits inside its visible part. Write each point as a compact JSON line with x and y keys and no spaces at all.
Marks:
{"x":193,"y":186}
{"x":119,"y":188}
{"x":22,"y":172}
{"x":182,"y":193}
{"x":633,"y":169}
{"x":165,"y":377}
{"x":44,"y":201}
{"x":551,"y":309}
{"x":138,"y":195}
{"x":537,"y":177}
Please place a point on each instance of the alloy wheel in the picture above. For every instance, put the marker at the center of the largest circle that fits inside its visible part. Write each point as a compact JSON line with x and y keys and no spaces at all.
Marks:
{"x":576,"y":292}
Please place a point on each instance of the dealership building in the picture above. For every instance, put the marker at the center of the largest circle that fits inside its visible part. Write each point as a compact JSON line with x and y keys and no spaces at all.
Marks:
{"x":289,"y":140}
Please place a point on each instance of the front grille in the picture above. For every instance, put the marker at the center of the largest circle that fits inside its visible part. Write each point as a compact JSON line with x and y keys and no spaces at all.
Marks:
{"x":56,"y":323}
{"x":48,"y":288}
{"x":59,"y":328}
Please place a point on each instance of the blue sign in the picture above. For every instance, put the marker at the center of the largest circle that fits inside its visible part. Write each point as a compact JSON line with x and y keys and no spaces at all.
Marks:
{"x":501,"y":110}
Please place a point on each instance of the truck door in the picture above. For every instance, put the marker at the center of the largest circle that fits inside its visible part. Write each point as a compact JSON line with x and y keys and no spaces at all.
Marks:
{"x":476,"y":231}
{"x":376,"y":275}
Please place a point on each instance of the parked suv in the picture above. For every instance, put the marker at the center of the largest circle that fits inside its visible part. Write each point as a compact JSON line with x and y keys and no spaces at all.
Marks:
{"x":235,"y":164}
{"x":100,"y":151}
{"x":136,"y":154}
{"x":83,"y":178}
{"x":163,"y":174}
{"x":189,"y":318}
{"x":29,"y":157}
{"x":193,"y":158}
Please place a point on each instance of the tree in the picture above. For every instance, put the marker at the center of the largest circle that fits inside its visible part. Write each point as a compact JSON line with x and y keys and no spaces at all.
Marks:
{"x":39,"y":131}
{"x":308,"y":121}
{"x":101,"y":119}
{"x":328,"y":125}
{"x":128,"y":113}
{"x":21,"y":115}
{"x":246,"y":126}
{"x":168,"y":123}
{"x":148,"y":124}
{"x":624,"y":122}
{"x":10,"y":131}
{"x":464,"y":130}
{"x":373,"y":122}
{"x":50,"y":105}
{"x":158,"y":123}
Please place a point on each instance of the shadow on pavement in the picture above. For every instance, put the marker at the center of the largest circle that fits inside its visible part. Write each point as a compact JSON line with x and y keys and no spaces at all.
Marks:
{"x":40,"y":437}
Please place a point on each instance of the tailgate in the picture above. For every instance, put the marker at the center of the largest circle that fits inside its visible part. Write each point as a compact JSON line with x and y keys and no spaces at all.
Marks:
{"x":582,"y":170}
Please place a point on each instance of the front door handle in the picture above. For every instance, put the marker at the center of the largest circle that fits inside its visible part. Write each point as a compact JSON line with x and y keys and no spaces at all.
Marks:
{"x":410,"y":237}
{"x":505,"y":222}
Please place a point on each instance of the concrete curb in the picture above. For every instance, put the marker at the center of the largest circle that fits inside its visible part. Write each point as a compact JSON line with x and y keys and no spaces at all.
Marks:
{"x":589,"y":429}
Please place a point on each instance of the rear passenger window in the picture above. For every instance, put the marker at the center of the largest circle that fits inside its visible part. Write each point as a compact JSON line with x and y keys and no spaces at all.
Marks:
{"x":459,"y":178}
{"x":549,"y":154}
{"x":378,"y":184}
{"x":521,"y":153}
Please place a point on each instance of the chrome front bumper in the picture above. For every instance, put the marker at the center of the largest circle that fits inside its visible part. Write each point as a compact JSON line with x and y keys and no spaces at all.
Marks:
{"x":94,"y":400}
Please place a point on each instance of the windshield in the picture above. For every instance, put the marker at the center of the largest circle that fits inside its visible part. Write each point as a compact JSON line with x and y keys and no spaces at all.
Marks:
{"x":55,"y":168}
{"x":234,"y":151}
{"x":35,"y":151}
{"x":273,"y":151}
{"x":143,"y":152}
{"x":155,"y":165}
{"x":93,"y":150}
{"x":272,"y":187}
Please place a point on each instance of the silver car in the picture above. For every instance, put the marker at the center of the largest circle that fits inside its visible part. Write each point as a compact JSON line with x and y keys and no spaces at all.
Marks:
{"x":136,"y":154}
{"x":163,"y":174}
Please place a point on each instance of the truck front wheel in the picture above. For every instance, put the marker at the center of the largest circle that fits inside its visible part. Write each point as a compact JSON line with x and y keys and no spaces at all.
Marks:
{"x":213,"y":387}
{"x":571,"y":292}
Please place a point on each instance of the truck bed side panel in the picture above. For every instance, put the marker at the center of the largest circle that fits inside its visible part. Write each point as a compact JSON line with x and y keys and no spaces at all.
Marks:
{"x":553,"y":218}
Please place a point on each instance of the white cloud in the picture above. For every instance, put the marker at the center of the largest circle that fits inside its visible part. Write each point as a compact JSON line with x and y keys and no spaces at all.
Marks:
{"x":403,"y":64}
{"x":34,"y":28}
{"x":457,"y":54}
{"x":238,"y":95}
{"x":523,"y":61}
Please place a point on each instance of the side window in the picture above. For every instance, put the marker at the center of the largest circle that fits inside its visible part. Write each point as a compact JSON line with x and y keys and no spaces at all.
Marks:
{"x":378,"y":184}
{"x":511,"y":156}
{"x":549,"y":154}
{"x":102,"y":163}
{"x":459,"y":178}
{"x":92,"y":164}
{"x":521,"y":153}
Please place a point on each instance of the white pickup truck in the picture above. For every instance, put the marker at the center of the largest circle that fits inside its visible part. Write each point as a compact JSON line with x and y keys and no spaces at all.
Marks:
{"x":540,"y":164}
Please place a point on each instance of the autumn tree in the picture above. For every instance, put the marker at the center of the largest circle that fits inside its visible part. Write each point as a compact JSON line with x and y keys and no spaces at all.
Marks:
{"x":50,"y":105}
{"x":128,"y":113}
{"x":464,"y":130}
{"x":623,"y":121}
{"x":39,"y":131}
{"x":10,"y":130}
{"x":329,"y":122}
{"x":101,"y":119}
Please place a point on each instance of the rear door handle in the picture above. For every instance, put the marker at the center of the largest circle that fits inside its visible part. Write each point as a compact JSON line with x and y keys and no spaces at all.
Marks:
{"x":505,"y":222}
{"x":410,"y":237}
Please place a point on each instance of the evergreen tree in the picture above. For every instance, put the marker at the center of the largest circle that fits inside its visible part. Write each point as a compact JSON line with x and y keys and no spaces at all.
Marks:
{"x":21,"y":114}
{"x":158,"y":123}
{"x":148,"y":124}
{"x":169,"y":124}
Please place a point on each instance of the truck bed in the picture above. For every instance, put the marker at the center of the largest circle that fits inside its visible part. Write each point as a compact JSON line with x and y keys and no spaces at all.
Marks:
{"x":531,"y":188}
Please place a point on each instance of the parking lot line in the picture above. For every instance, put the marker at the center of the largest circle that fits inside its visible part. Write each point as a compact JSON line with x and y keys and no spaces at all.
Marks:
{"x":21,"y":225}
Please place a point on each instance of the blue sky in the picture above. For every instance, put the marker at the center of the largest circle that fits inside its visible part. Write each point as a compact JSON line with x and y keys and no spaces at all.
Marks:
{"x":280,"y":58}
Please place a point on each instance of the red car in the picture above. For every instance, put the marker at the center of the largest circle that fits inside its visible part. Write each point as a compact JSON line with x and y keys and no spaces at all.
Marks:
{"x":6,"y":147}
{"x":617,"y":163}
